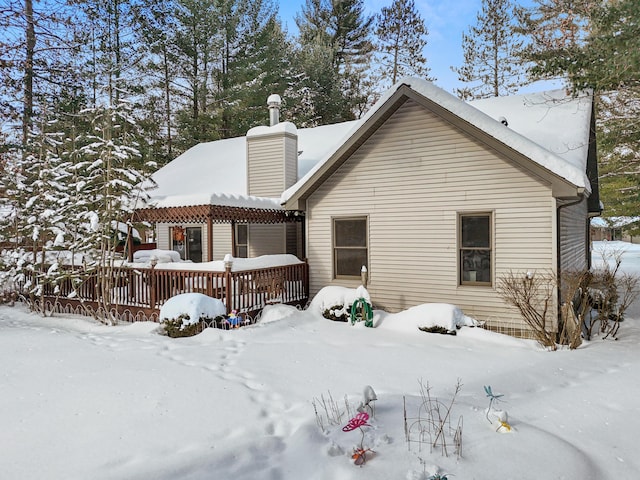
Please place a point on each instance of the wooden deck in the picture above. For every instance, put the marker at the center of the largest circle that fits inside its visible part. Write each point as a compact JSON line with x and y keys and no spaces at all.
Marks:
{"x":139,"y":293}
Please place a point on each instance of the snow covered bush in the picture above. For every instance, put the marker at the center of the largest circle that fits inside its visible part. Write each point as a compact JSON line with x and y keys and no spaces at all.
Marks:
{"x":334,"y":303}
{"x":429,"y":317}
{"x":338,"y":313}
{"x":187,"y":314}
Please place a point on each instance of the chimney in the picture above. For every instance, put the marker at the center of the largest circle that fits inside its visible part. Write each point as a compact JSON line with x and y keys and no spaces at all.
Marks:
{"x":272,"y":154}
{"x":274,"y":101}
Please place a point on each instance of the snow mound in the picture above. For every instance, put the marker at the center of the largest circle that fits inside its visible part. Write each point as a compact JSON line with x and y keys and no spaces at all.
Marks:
{"x":163,"y":256}
{"x":428,"y":315}
{"x":331,"y":296}
{"x":273,"y":313}
{"x":193,"y":305}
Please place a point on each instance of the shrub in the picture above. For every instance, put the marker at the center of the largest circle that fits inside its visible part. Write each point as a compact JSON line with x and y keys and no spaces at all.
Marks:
{"x":338,"y":313}
{"x":437,"y":329}
{"x":176,"y":327}
{"x":532,"y":294}
{"x":181,"y":327}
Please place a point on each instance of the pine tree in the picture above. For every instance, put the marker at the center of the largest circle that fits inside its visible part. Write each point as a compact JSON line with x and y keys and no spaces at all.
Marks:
{"x":333,"y":60}
{"x":263,"y":68}
{"x":154,"y":40}
{"x":35,"y":41}
{"x":253,"y":62}
{"x":609,"y":63}
{"x":109,"y":187}
{"x":491,"y":66}
{"x":552,"y":27}
{"x":402,"y":39}
{"x":111,"y":58}
{"x":596,"y":46}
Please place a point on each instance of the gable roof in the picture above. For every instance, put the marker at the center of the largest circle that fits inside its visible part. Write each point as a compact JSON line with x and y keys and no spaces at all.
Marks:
{"x":547,"y":133}
{"x":534,"y":140}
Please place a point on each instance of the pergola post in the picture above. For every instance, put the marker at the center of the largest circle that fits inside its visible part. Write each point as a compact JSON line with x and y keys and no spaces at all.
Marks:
{"x":210,"y":238}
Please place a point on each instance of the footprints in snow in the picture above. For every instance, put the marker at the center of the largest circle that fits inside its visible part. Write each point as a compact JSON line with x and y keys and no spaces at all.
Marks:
{"x":220,"y":360}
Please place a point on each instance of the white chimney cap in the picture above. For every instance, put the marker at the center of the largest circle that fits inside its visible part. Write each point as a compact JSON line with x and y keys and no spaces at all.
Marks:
{"x":274,"y":100}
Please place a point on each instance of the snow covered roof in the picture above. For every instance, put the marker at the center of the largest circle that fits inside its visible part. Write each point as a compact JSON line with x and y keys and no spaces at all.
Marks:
{"x":550,"y":128}
{"x":216,"y":172}
{"x":554,"y":120}
{"x":538,"y":128}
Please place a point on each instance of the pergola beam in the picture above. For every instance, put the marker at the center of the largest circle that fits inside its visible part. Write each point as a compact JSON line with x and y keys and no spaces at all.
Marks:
{"x":210,"y":214}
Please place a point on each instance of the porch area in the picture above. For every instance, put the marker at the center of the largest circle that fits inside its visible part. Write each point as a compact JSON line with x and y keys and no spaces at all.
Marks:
{"x":137,"y":294}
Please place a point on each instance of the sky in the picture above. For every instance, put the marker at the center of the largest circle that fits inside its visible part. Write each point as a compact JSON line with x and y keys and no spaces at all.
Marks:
{"x":446,"y":20}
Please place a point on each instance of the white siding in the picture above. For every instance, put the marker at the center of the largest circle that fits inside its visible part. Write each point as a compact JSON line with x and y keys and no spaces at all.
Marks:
{"x":267,"y":239}
{"x":271,"y":164}
{"x":411,"y":179}
{"x":221,"y":238}
{"x":205,"y":235}
{"x":574,"y":241}
{"x":162,"y":236}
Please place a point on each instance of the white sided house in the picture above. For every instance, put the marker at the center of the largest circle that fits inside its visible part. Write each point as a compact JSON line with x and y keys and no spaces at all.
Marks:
{"x":436,"y":197}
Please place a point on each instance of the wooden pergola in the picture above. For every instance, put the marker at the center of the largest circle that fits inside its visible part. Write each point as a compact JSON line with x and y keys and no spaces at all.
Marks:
{"x":210,"y":214}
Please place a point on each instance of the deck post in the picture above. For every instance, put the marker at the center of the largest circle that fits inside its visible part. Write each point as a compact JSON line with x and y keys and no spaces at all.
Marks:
{"x":152,"y":294}
{"x":228,"y":263}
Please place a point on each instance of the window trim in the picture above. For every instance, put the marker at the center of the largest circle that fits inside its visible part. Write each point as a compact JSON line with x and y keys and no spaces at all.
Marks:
{"x":491,"y":249}
{"x":238,"y":245}
{"x":334,"y":259}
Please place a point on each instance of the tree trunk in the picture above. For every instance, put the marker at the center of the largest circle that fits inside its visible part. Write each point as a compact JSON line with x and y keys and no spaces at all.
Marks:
{"x":28,"y":70}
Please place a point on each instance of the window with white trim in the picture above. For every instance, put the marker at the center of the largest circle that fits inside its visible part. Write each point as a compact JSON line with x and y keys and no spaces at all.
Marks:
{"x":475,"y":246}
{"x":350,"y":246}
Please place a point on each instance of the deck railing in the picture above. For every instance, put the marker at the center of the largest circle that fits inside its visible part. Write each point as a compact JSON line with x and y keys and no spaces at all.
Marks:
{"x":139,"y":293}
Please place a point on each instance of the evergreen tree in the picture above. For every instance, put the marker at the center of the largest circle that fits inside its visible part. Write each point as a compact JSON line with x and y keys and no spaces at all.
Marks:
{"x":155,"y":42}
{"x":109,"y":186}
{"x":333,"y":59}
{"x":35,"y":41}
{"x":263,"y":68}
{"x":552,"y":27}
{"x":402,"y":39}
{"x":111,"y":60}
{"x":234,"y":54}
{"x":491,"y":47}
{"x":196,"y":50}
{"x":252,"y":64}
{"x":315,"y":96}
{"x":597,"y":46}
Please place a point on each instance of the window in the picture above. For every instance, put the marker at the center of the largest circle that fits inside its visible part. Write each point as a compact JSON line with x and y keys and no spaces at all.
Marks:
{"x":187,"y":241}
{"x":242,"y":242}
{"x":475,"y":247}
{"x":349,"y":246}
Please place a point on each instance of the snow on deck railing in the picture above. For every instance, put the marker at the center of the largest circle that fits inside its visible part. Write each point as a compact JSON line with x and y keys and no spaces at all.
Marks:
{"x":147,"y":288}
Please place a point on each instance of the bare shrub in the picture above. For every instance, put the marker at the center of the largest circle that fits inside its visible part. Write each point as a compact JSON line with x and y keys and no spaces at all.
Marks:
{"x":576,"y":307}
{"x":532,"y":294}
{"x":628,"y":287}
{"x":611,"y":293}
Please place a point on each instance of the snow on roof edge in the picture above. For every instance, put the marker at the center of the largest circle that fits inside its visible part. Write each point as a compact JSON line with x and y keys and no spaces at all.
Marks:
{"x":220,"y":199}
{"x":282,"y":127}
{"x":469,"y":113}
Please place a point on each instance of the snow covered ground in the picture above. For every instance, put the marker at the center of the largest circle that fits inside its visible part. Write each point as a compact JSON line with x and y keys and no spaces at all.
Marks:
{"x":79,"y":400}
